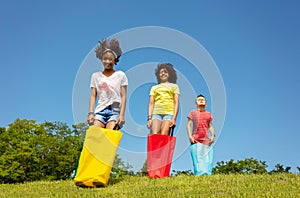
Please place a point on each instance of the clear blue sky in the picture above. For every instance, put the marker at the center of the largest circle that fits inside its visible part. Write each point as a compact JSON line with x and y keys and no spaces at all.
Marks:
{"x":254,"y":45}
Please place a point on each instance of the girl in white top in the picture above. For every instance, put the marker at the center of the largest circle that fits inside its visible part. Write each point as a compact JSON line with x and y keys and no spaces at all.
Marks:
{"x":109,"y":86}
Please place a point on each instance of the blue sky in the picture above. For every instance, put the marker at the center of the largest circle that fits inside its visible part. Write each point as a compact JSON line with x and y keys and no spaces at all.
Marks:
{"x":47,"y":45}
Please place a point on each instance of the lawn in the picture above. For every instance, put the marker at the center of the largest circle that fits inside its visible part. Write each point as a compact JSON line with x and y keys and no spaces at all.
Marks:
{"x":277,"y":185}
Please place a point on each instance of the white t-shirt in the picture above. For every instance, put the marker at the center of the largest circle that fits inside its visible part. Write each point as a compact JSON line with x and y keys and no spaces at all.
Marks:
{"x":108,"y":88}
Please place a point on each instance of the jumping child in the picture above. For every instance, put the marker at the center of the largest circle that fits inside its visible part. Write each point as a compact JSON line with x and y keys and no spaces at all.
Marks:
{"x":109,"y":86}
{"x":202,"y":124}
{"x":164,"y":100}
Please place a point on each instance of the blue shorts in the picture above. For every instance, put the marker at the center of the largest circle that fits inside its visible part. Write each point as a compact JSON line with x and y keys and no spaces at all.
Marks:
{"x":110,"y":113}
{"x":162,"y":117}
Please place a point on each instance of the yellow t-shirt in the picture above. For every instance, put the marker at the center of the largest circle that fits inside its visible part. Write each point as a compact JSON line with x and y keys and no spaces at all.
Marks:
{"x":164,"y":98}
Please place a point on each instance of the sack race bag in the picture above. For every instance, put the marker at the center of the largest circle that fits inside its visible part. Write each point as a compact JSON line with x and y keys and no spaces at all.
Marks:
{"x":202,"y":156}
{"x":160,"y":149}
{"x":97,"y":157}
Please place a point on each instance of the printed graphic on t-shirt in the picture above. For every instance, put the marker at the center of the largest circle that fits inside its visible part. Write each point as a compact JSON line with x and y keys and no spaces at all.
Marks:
{"x":108,"y":88}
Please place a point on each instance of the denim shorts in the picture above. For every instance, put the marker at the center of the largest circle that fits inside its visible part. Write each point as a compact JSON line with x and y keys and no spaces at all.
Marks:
{"x":162,"y":117}
{"x":108,"y":114}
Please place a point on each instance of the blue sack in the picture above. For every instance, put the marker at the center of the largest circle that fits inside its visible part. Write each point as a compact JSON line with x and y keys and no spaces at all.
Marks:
{"x":202,"y":156}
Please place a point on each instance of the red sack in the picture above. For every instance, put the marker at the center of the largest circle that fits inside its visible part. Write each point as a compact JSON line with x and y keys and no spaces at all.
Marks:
{"x":160,"y":151}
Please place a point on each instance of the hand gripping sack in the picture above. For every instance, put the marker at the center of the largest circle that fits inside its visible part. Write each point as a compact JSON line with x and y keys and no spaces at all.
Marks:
{"x":160,"y":149}
{"x":202,"y":156}
{"x":97,"y":157}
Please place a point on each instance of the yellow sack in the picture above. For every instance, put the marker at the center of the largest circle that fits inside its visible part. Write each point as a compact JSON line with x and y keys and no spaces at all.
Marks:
{"x":97,"y":157}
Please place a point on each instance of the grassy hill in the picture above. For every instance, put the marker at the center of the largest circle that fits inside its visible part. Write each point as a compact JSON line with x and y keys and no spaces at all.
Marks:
{"x":277,"y":185}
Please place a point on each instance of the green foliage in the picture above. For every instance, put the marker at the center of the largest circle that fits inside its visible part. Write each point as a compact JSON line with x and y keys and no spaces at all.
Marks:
{"x":185,"y":172}
{"x":248,"y":166}
{"x":280,"y":169}
{"x":47,"y":151}
{"x":119,"y":170}
{"x":31,"y":151}
{"x":143,"y":171}
{"x":51,"y":150}
{"x":80,"y":130}
{"x":60,"y":149}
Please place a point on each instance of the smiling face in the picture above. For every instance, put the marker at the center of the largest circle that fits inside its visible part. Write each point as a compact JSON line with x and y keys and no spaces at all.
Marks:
{"x":108,"y":61}
{"x":163,"y":75}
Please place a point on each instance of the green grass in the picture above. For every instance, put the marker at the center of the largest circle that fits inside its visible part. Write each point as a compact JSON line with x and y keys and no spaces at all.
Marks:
{"x":277,"y":185}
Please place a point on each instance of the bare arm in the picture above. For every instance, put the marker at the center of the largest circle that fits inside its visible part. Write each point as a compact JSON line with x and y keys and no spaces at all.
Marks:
{"x":212,"y":132}
{"x":121,"y":119}
{"x":91,"y":116}
{"x":150,"y":110}
{"x":188,"y":130}
{"x":175,"y":112}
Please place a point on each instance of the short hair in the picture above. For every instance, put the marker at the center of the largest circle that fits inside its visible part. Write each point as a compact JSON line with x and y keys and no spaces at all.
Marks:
{"x":200,"y":95}
{"x":169,"y":67}
{"x":108,"y":44}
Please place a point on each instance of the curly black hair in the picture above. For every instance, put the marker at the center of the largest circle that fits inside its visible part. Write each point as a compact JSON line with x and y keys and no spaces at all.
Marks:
{"x":108,"y":44}
{"x":169,"y":67}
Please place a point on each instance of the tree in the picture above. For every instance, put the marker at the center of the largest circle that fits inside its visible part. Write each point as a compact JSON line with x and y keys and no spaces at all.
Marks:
{"x":143,"y":171}
{"x":248,"y":165}
{"x":61,"y":148}
{"x":18,"y":157}
{"x":280,"y":169}
{"x":226,"y":167}
{"x":80,"y":130}
{"x":185,"y":172}
{"x":119,"y":170}
{"x":31,"y":151}
{"x":253,"y":166}
{"x":120,"y":167}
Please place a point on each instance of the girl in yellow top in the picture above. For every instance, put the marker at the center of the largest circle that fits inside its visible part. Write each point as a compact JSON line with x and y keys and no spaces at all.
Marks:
{"x":164,"y":100}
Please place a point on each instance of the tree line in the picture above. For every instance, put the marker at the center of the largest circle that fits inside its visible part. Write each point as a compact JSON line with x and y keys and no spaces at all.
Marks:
{"x":31,"y":151}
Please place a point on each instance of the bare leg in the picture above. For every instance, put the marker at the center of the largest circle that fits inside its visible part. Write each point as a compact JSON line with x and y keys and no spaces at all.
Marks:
{"x":99,"y":124}
{"x":156,"y":126}
{"x":165,"y":128}
{"x":111,"y":124}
